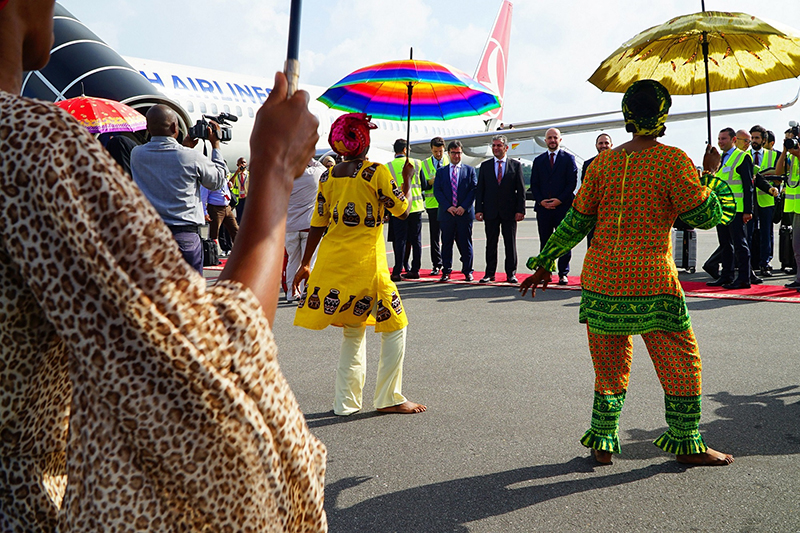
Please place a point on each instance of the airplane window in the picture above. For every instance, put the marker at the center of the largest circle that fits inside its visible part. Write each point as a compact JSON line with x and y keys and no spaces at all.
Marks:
{"x":214,"y":109}
{"x":190,"y":107}
{"x":250,"y":112}
{"x":238,"y":111}
{"x":203,"y":107}
{"x":416,"y":128}
{"x":226,"y":108}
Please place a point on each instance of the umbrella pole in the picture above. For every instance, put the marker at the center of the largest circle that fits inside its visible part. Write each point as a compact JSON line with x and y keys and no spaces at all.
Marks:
{"x":408,"y":116}
{"x":292,"y":66}
{"x":408,"y":128}
{"x":708,"y":83}
{"x":708,"y":86}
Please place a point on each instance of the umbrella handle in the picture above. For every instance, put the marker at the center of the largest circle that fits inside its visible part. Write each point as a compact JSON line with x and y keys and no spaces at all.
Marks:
{"x":292,"y":70}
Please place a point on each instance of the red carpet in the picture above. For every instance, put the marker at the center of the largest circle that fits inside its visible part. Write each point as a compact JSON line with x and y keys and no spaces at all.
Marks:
{"x":693,"y":289}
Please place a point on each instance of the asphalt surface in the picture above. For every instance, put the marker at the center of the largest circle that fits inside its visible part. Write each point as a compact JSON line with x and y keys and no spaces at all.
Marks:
{"x":508,"y":384}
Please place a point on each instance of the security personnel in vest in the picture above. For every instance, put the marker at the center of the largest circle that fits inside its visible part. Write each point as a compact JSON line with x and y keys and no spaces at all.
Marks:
{"x":792,"y":201}
{"x":437,"y":159}
{"x":410,"y":229}
{"x":736,"y":168}
{"x":760,"y":228}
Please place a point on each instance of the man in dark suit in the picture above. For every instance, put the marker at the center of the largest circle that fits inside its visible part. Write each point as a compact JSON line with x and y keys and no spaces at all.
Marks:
{"x":500,"y":204}
{"x":554,"y":177}
{"x":602,"y":143}
{"x":454,"y":188}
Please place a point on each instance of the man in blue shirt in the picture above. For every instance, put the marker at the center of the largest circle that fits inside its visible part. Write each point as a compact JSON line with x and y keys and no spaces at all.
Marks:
{"x":170,"y":175}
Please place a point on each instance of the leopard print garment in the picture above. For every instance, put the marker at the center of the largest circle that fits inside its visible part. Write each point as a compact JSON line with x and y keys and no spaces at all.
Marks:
{"x":159,"y":399}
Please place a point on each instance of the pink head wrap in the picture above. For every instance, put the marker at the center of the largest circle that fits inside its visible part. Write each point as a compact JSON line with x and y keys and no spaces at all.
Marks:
{"x":350,"y":134}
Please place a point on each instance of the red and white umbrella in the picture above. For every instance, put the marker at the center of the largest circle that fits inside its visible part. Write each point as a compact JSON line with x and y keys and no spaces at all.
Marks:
{"x":99,"y":115}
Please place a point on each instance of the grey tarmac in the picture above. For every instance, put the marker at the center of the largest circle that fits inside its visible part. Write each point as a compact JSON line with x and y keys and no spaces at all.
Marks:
{"x":508,"y":384}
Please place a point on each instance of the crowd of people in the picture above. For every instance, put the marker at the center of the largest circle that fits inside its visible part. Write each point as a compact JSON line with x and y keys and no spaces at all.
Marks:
{"x":154,"y":401}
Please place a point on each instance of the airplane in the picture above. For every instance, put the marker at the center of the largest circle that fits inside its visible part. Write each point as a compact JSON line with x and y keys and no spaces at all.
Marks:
{"x":81,"y":63}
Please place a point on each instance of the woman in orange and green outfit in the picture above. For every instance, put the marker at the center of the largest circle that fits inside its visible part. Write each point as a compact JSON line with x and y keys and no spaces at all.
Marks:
{"x":631,"y":195}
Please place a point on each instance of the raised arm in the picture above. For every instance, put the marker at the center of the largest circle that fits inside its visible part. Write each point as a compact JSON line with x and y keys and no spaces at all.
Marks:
{"x":283,"y":141}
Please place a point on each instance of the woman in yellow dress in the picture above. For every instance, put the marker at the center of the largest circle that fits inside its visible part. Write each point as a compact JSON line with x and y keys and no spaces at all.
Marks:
{"x":350,"y":282}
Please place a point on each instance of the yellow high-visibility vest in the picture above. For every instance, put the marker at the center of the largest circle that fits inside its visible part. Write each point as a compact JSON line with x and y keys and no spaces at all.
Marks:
{"x":428,"y":172}
{"x":768,"y":161}
{"x":792,"y":202}
{"x":731,"y":175}
{"x":395,"y":167}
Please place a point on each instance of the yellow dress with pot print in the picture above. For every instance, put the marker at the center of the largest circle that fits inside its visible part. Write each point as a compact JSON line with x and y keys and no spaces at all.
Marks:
{"x":351,"y":280}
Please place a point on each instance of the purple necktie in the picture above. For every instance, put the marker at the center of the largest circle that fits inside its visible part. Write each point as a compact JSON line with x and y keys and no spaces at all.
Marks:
{"x":552,"y":159}
{"x":454,"y":184}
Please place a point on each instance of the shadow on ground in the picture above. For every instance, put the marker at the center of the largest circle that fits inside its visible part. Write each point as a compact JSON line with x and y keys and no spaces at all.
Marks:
{"x":748,"y":425}
{"x":448,"y":506}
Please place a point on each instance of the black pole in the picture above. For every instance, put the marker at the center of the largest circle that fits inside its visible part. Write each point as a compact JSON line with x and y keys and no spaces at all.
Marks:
{"x":408,"y":129}
{"x":708,"y":82}
{"x":708,"y":85}
{"x":292,"y":67}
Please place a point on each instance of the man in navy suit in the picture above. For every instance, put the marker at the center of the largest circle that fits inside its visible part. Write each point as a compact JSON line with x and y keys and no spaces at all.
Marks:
{"x":454,"y":188}
{"x":500,"y":204}
{"x":554,"y":178}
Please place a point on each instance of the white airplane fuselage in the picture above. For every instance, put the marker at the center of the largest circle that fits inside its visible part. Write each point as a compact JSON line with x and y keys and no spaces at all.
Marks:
{"x":204,"y":91}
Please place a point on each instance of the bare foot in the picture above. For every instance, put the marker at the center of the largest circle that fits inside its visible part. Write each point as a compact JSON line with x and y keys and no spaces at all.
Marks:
{"x":709,"y":458}
{"x":602,"y":457}
{"x":405,"y":408}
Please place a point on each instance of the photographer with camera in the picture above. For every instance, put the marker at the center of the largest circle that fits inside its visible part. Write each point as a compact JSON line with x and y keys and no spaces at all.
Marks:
{"x":789,"y":163}
{"x":170,"y":174}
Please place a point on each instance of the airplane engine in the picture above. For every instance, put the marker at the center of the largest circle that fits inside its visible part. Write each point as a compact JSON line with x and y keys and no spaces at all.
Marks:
{"x":81,"y":63}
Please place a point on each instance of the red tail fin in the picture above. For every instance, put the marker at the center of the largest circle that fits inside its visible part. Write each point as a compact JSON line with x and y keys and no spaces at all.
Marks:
{"x":491,"y":70}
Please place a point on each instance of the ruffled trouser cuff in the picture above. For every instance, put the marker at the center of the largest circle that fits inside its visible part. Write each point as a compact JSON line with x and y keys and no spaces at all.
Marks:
{"x":603,"y":434}
{"x":683,"y":418}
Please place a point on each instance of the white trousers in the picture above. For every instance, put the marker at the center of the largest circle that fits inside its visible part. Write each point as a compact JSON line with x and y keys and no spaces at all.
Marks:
{"x":352,"y":370}
{"x":295,"y":243}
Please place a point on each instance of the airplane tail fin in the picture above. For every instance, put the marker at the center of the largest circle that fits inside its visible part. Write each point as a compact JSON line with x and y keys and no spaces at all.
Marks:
{"x":492,"y":66}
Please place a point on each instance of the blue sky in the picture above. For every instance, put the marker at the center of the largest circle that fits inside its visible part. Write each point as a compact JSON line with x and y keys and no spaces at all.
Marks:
{"x":554,"y":48}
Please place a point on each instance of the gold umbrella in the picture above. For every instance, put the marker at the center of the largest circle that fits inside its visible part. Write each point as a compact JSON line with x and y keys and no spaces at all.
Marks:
{"x":704,"y":52}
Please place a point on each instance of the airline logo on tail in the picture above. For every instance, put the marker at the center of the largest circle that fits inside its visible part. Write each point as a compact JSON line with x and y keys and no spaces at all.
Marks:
{"x":493,"y":64}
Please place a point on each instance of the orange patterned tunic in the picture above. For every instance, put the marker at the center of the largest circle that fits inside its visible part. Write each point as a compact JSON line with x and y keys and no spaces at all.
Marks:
{"x":629,"y":280}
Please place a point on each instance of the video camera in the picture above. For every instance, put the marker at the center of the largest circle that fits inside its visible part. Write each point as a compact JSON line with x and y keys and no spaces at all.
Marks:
{"x":791,"y":144}
{"x":200,"y":129}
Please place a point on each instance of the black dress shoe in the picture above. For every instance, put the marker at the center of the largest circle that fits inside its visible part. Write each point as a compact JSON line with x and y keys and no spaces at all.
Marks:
{"x":467,"y":277}
{"x":435,"y":271}
{"x":755,"y":280}
{"x":445,"y":277}
{"x":719,"y":282}
{"x":486,"y":279}
{"x":791,"y":271}
{"x":396,"y":277}
{"x":736,"y":285}
{"x":792,"y":285}
{"x":765,"y":273}
{"x":411,"y":275}
{"x":713,"y":272}
{"x":512,"y":279}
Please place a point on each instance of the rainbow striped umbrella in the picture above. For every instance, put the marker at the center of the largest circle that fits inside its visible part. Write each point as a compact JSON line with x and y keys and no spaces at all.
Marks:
{"x":99,"y":115}
{"x":410,"y":90}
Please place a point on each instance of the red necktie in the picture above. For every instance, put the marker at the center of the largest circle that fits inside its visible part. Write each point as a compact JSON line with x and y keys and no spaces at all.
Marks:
{"x":499,"y":172}
{"x":552,"y":159}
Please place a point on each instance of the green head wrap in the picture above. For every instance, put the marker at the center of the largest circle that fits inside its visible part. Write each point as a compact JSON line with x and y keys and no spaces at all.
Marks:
{"x":645,"y":107}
